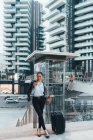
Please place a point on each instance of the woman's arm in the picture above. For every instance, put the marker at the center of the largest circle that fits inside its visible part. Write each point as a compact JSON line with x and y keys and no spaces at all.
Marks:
{"x":29,"y":90}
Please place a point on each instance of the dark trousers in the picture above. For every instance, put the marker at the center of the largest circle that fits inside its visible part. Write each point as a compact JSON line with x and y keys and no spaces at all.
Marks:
{"x":38,"y":104}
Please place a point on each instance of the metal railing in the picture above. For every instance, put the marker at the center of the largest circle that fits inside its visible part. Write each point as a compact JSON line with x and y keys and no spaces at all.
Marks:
{"x":88,"y":79}
{"x":79,"y":111}
{"x":27,"y":118}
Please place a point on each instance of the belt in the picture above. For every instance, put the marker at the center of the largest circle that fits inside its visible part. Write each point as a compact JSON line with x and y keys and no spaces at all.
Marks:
{"x":38,"y":97}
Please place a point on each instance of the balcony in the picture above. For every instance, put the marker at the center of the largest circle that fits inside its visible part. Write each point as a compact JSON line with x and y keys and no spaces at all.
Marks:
{"x":7,"y":34}
{"x":7,"y":25}
{"x":84,"y":11}
{"x":7,"y":63}
{"x":42,"y":48}
{"x":84,"y":17}
{"x":9,"y":16}
{"x":7,"y":44}
{"x":50,"y":3}
{"x":86,"y":37}
{"x":24,"y":68}
{"x":24,"y":1}
{"x":80,"y":51}
{"x":57,"y":17}
{"x":53,"y":39}
{"x":10,"y":30}
{"x":11,"y":11}
{"x":22,"y":64}
{"x":8,"y":54}
{"x":7,"y":6}
{"x":20,"y":44}
{"x":11,"y":68}
{"x":52,"y":27}
{"x":10,"y":39}
{"x":25,"y":30}
{"x":25,"y":40}
{"x":52,"y":14}
{"x":80,"y":58}
{"x":21,"y":54}
{"x":25,"y":6}
{"x":61,"y":29}
{"x":10,"y":49}
{"x":41,"y":33}
{"x":83,"y":31}
{"x":84,"y":4}
{"x":57,"y":4}
{"x":18,"y":15}
{"x":24,"y":49}
{"x":41,"y":41}
{"x":24,"y":20}
{"x":24,"y":10}
{"x":10,"y":2}
{"x":10,"y":58}
{"x":57,"y":44}
{"x":81,"y":45}
{"x":84,"y":24}
{"x":42,"y":45}
{"x":10,"y":20}
{"x":22,"y":25}
{"x":21,"y":34}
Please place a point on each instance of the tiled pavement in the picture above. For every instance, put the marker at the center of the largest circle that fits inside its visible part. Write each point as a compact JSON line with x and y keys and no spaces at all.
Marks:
{"x":74,"y":131}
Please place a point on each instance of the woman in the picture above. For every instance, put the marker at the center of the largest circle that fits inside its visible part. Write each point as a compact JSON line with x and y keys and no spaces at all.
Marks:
{"x":37,"y":89}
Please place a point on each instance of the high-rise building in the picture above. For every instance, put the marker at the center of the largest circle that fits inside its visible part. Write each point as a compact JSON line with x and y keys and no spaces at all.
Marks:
{"x":83,"y":35}
{"x":2,"y":62}
{"x":38,"y":35}
{"x":57,"y":25}
{"x":22,"y":19}
{"x":71,"y":27}
{"x":17,"y":26}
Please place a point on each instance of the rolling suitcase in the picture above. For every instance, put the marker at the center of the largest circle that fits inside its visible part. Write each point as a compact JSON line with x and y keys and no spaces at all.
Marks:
{"x":58,"y":122}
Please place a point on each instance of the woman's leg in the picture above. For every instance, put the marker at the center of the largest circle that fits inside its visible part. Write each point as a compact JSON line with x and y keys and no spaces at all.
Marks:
{"x":37,"y":107}
{"x":42,"y":104}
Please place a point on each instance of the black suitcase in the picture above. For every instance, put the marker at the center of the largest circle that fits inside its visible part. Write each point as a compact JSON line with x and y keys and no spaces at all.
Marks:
{"x":58,"y":122}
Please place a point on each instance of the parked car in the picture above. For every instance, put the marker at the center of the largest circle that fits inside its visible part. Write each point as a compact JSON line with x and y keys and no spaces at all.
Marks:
{"x":22,"y":97}
{"x":11,"y":100}
{"x":6,"y":97}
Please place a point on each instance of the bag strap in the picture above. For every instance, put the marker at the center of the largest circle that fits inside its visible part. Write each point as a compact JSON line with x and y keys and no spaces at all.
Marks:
{"x":45,"y":91}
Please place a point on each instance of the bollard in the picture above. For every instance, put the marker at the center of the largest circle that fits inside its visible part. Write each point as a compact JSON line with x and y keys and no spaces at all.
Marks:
{"x":18,"y":123}
{"x":29,"y":115}
{"x":34,"y":119}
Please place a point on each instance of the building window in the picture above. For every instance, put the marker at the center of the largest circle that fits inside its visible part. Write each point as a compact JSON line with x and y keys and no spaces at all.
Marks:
{"x":62,"y":9}
{"x":18,"y":0}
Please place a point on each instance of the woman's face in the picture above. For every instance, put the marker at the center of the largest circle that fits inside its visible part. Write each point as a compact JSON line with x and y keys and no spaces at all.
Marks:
{"x":39,"y":77}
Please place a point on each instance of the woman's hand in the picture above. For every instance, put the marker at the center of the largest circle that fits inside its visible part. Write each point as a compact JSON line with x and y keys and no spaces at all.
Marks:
{"x":48,"y":100}
{"x":35,"y":84}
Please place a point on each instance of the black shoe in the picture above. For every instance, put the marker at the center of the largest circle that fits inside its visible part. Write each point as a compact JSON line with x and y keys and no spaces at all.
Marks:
{"x":46,"y":134}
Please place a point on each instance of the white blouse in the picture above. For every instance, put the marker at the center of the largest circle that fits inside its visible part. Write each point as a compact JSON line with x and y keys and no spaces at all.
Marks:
{"x":38,"y":90}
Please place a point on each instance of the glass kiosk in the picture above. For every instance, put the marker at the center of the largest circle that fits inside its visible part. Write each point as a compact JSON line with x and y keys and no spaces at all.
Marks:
{"x":53,"y":66}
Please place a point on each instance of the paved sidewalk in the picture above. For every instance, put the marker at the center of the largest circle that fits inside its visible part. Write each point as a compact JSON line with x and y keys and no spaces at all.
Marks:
{"x":77,"y":135}
{"x":74,"y":131}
